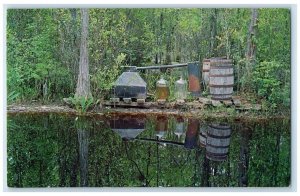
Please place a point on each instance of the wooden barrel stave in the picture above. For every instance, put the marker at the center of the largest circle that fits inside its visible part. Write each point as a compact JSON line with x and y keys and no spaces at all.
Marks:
{"x":221,"y":79}
{"x":217,"y":141}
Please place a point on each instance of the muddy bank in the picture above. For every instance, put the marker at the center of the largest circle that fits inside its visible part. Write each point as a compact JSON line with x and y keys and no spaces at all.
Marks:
{"x":205,"y":112}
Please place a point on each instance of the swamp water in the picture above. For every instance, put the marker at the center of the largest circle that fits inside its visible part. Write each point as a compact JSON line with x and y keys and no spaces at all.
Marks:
{"x":54,"y":150}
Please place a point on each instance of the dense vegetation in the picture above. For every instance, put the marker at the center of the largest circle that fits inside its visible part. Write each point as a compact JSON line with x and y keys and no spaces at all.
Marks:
{"x":43,"y":47}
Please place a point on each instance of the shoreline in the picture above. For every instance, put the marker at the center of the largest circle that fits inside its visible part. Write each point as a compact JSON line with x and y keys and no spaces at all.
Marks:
{"x":203,"y":113}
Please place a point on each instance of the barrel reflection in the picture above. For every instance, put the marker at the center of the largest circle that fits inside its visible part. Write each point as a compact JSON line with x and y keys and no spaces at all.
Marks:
{"x":217,"y":141}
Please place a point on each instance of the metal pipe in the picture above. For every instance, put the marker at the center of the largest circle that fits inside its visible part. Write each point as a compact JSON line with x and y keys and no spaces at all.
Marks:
{"x":162,"y":66}
{"x":135,"y":68}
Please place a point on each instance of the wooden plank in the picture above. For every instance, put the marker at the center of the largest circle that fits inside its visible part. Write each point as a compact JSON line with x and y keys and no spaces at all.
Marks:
{"x":140,"y":101}
{"x":205,"y":101}
{"x":132,"y":104}
{"x":115,"y":100}
{"x":216,"y":103}
{"x":127,"y":100}
{"x":161,"y":101}
{"x":247,"y":107}
{"x":227,"y":102}
{"x":237,"y":102}
{"x":180,"y":102}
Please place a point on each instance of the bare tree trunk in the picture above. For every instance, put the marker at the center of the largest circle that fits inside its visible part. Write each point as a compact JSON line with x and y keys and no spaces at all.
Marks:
{"x":83,"y":83}
{"x":251,"y":47}
{"x":160,"y":38}
{"x":213,"y":33}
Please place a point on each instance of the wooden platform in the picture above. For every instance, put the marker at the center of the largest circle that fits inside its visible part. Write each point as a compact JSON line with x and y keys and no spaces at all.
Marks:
{"x":197,"y":104}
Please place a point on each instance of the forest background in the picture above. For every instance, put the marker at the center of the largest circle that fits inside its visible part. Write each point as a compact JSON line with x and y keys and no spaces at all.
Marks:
{"x":43,"y":49}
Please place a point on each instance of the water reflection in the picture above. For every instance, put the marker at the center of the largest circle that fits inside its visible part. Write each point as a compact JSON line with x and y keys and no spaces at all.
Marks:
{"x":118,"y":151}
{"x":128,"y":127}
{"x":218,"y":141}
{"x":161,"y":126}
{"x":192,"y":135}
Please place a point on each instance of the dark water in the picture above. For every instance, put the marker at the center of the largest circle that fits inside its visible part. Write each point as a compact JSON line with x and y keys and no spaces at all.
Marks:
{"x":54,"y":150}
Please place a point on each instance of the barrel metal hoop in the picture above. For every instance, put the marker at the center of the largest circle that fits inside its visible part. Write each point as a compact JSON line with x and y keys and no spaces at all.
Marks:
{"x":221,"y":94}
{"x":202,"y":135}
{"x":221,"y":67}
{"x":218,"y":137}
{"x":219,"y":127}
{"x":211,"y":145}
{"x":221,"y":98}
{"x":226,"y":61}
{"x":225,"y":75}
{"x":221,"y":86}
{"x":205,"y":70}
{"x":217,"y":154}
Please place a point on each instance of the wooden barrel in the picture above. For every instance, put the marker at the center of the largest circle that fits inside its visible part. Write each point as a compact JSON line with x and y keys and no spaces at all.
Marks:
{"x":217,"y":142}
{"x":205,"y":72}
{"x":203,"y":135}
{"x":221,"y":79}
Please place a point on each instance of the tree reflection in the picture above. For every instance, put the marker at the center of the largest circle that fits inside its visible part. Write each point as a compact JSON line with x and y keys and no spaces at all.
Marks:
{"x":55,"y":150}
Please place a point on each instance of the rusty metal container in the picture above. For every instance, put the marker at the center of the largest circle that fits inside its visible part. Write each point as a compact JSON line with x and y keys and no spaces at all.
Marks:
{"x":194,"y":79}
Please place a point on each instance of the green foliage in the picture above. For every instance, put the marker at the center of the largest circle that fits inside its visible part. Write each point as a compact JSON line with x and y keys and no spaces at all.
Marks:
{"x":103,"y":80}
{"x":12,"y":96}
{"x":43,"y":48}
{"x":82,"y":104}
{"x":271,"y":80}
{"x":32,"y":64}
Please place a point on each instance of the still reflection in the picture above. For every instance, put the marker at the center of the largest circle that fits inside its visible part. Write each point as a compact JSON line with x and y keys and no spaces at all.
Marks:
{"x":128,"y":127}
{"x":118,"y":151}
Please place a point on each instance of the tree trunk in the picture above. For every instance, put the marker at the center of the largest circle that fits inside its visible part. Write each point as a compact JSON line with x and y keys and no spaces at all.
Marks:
{"x":83,"y":83}
{"x":213,"y":33}
{"x":251,"y":47}
{"x":160,"y":38}
{"x":83,"y":140}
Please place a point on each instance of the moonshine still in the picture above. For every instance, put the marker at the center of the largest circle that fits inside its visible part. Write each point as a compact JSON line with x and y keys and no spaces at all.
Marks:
{"x":128,"y":127}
